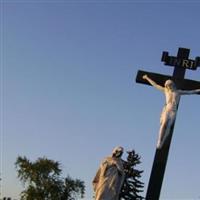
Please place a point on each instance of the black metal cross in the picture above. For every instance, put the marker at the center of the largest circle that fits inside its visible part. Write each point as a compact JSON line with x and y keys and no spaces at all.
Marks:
{"x":180,"y":63}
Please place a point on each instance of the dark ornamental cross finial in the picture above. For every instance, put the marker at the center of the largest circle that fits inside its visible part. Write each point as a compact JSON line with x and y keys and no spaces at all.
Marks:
{"x":173,"y":87}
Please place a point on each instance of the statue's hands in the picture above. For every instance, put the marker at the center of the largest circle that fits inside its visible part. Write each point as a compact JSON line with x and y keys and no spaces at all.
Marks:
{"x":145,"y":76}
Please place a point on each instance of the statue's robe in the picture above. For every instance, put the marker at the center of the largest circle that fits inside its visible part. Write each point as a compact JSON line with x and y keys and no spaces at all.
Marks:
{"x":109,"y":179}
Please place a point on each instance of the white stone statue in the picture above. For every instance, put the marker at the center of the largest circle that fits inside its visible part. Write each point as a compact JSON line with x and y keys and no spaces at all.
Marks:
{"x":168,"y":115}
{"x":109,"y":178}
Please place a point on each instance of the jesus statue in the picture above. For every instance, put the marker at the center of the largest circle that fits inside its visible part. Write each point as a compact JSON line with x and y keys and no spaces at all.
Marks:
{"x":168,"y":115}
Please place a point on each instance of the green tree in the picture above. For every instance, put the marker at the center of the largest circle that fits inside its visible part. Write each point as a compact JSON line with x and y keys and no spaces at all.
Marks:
{"x":42,"y":181}
{"x":132,"y":185}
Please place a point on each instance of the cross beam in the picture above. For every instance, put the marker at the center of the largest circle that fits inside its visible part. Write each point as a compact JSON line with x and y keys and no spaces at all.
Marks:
{"x":183,"y":84}
{"x":180,"y":63}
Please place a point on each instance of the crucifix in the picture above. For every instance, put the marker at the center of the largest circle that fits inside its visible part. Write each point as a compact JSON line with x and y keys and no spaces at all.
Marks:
{"x":173,"y":87}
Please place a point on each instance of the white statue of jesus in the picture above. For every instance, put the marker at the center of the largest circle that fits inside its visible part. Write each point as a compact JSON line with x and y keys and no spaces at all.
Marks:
{"x":168,"y":115}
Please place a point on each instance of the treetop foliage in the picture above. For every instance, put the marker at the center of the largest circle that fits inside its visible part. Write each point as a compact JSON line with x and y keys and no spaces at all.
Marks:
{"x":42,"y":181}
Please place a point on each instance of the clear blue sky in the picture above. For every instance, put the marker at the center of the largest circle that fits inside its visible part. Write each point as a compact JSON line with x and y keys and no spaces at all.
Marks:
{"x":68,"y":88}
